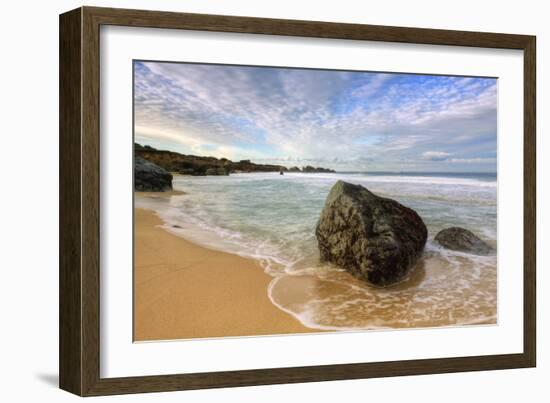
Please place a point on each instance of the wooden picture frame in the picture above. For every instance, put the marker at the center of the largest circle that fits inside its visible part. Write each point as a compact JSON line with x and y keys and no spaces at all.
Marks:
{"x":79,"y":347}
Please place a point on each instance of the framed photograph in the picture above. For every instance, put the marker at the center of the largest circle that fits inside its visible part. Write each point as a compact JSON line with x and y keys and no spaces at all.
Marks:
{"x":248,"y":201}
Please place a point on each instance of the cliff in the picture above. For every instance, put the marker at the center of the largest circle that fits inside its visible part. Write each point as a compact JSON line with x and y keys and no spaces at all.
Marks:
{"x":196,"y":165}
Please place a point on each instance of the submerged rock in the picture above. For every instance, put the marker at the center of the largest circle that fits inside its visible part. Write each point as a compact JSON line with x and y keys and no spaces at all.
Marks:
{"x":462,"y":240}
{"x":376,"y":239}
{"x":149,"y":177}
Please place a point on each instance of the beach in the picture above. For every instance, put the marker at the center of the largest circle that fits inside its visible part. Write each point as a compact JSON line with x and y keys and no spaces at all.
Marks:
{"x":292,"y":200}
{"x":183,"y":290}
{"x":263,"y":226}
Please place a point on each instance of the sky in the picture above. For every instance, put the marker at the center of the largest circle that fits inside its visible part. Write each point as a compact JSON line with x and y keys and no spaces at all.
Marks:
{"x":344,"y":120}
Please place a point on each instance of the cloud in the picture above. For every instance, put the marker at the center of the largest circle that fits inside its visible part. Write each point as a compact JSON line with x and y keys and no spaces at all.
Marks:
{"x":473,"y":160}
{"x":372,"y":86}
{"x":374,"y":121}
{"x":435,"y":155}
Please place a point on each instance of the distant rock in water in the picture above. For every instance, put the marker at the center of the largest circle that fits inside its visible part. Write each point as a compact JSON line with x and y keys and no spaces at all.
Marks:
{"x":310,"y":169}
{"x":462,"y":240}
{"x":149,"y":177}
{"x":376,"y":239}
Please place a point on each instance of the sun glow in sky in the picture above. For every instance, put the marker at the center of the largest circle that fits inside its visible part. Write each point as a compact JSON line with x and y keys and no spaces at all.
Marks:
{"x":347,"y":121}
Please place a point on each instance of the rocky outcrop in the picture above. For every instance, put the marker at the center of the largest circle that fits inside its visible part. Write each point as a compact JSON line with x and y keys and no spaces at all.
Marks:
{"x":310,"y":169}
{"x":149,"y":177}
{"x":462,"y":240}
{"x":217,"y":171}
{"x":374,"y":238}
{"x":199,"y":166}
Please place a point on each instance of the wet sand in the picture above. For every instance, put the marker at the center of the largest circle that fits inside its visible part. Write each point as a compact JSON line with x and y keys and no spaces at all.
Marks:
{"x":159,"y":194}
{"x":186,"y":291}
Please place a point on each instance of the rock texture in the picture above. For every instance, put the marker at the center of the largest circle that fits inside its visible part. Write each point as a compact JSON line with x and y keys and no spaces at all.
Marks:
{"x":462,"y":240}
{"x":149,"y":177}
{"x":374,"y":238}
{"x":217,"y":171}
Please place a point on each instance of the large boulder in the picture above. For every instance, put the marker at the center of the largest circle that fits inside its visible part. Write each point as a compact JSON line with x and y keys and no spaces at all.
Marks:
{"x":462,"y":240}
{"x":149,"y":177}
{"x":374,"y":238}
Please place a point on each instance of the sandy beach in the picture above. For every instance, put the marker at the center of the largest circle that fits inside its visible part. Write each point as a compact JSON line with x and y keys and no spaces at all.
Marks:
{"x":186,"y":291}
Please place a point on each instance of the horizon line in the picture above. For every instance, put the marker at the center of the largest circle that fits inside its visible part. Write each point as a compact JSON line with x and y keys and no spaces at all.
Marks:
{"x":334,"y":169}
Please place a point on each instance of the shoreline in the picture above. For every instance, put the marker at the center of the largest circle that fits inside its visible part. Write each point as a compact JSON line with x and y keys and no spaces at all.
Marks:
{"x":182,"y":290}
{"x":460,"y":289}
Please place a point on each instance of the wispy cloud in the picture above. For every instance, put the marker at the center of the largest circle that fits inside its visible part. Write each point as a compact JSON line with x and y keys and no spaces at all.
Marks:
{"x":435,"y":155}
{"x":345,"y":120}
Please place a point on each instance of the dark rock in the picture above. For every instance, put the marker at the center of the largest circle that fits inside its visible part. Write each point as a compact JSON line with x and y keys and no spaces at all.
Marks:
{"x":149,"y":177}
{"x":462,"y":240}
{"x":217,"y":171}
{"x":376,"y":239}
{"x":294,"y":169}
{"x":310,"y":169}
{"x":199,"y":165}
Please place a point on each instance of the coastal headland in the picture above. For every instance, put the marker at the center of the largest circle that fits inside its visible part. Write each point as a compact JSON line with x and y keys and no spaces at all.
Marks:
{"x":202,"y":165}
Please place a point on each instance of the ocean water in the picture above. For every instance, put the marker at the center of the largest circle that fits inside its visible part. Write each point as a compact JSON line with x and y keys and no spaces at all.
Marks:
{"x":272,"y":218}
